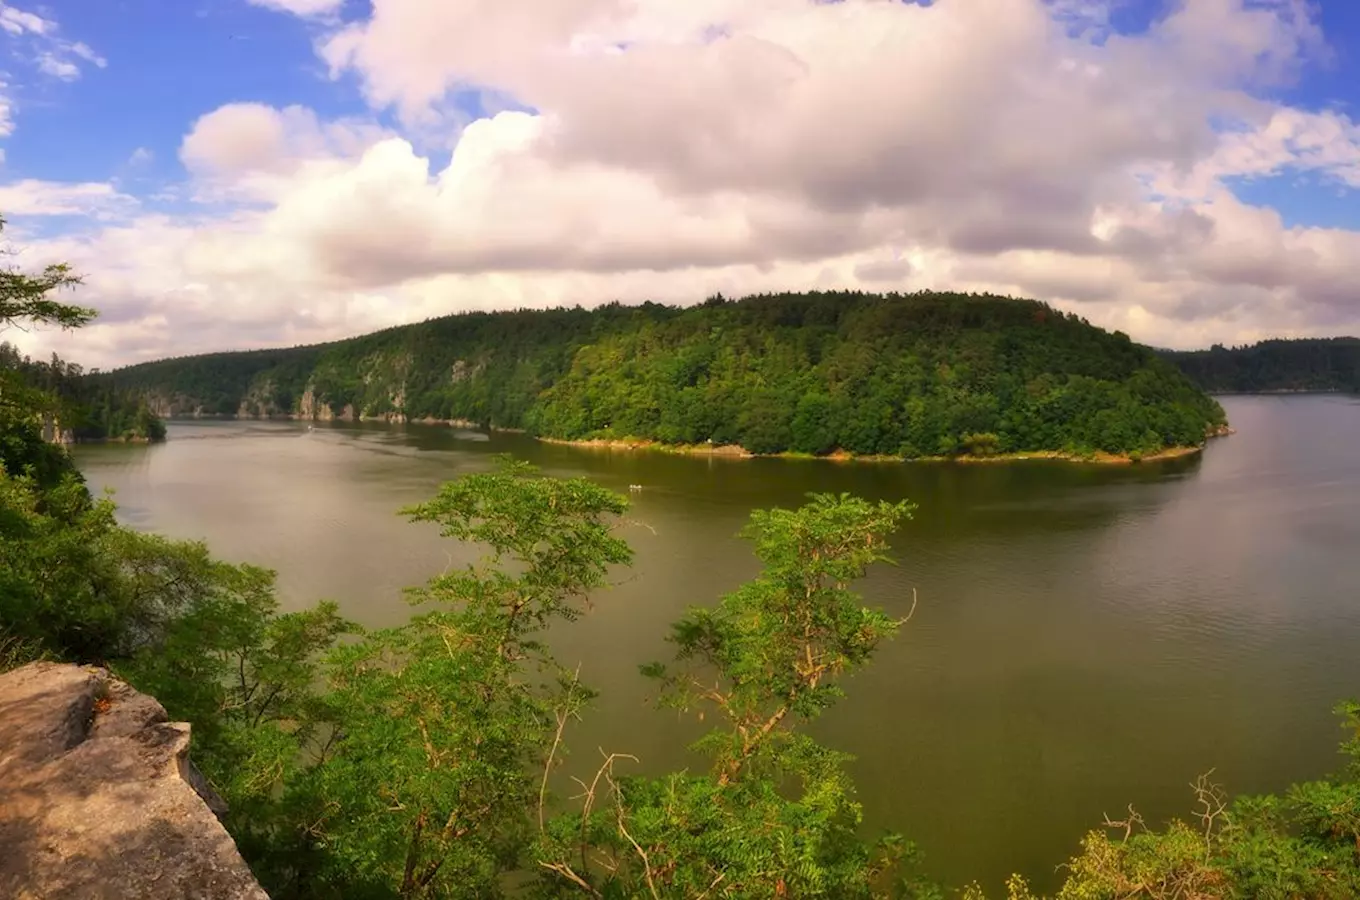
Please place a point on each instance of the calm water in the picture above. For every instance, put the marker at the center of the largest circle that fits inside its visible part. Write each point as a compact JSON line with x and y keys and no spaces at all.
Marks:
{"x":1086,"y":636}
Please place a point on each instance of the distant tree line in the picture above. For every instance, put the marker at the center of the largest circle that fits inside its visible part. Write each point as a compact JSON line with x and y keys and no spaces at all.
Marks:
{"x":1308,"y":364}
{"x":907,"y":375}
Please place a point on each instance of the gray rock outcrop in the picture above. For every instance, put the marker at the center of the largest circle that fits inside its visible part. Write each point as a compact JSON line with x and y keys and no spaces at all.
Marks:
{"x":98,"y":799}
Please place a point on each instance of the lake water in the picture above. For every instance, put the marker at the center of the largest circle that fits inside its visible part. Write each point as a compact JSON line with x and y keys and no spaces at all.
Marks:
{"x":1086,"y":636}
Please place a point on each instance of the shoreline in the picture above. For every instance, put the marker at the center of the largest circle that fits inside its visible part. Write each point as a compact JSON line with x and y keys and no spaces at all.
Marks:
{"x":1283,"y":392}
{"x":82,"y":442}
{"x":733,"y":451}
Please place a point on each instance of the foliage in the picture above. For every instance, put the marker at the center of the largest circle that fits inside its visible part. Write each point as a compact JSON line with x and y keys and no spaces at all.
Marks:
{"x":25,"y":299}
{"x":777,"y":645}
{"x":443,"y":721}
{"x":19,"y":651}
{"x":559,"y":532}
{"x":23,"y":449}
{"x":203,"y":636}
{"x":74,"y":581}
{"x":1309,"y":364}
{"x":73,"y":584}
{"x":245,"y":675}
{"x":88,"y":409}
{"x":775,"y":815}
{"x":1305,"y":843}
{"x":914,"y":375}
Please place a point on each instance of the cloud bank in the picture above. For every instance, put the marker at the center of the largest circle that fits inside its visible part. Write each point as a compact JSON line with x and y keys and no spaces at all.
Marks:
{"x":652,"y":150}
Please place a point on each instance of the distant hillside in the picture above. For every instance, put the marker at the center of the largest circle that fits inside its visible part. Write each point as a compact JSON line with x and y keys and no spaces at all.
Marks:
{"x":1324,"y":364}
{"x":910,"y":375}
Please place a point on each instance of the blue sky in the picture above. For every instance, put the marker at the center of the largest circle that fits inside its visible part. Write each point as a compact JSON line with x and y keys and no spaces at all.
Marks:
{"x":169,"y":63}
{"x":104,"y":97}
{"x":1330,"y":83}
{"x":181,"y":59}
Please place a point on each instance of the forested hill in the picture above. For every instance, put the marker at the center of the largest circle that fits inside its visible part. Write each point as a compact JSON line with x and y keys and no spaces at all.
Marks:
{"x":910,"y":375}
{"x":83,"y":408}
{"x":1322,"y":364}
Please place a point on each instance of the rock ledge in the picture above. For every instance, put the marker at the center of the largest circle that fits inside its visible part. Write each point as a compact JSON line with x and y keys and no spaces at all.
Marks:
{"x":98,"y":798}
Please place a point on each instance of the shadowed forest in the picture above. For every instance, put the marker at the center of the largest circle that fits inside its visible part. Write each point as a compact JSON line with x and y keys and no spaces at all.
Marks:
{"x":1312,"y":364}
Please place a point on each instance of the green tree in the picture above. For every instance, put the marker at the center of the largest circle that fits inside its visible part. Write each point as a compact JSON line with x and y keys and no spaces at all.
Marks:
{"x":445,"y":720}
{"x":775,"y":815}
{"x":809,"y":372}
{"x":25,"y":299}
{"x":1302,"y":844}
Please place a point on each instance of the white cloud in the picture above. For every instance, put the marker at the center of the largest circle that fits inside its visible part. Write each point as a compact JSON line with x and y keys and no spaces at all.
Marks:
{"x":746,"y":145}
{"x":254,"y":152}
{"x":142,"y":156}
{"x":304,"y":8}
{"x":52,"y":55}
{"x":50,"y":64}
{"x":1291,"y":140}
{"x":84,"y":51}
{"x":241,"y":138}
{"x":17,"y":21}
{"x":32,"y":197}
{"x":6,"y":112}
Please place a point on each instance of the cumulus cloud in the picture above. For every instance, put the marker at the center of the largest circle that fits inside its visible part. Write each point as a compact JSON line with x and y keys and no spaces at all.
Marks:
{"x":1326,"y":142}
{"x":656,"y":150}
{"x":254,"y":151}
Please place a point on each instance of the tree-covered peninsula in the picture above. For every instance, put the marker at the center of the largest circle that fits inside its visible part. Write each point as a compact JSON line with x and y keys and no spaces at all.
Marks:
{"x":927,"y":374}
{"x":1277,"y":366}
{"x":75,"y":407}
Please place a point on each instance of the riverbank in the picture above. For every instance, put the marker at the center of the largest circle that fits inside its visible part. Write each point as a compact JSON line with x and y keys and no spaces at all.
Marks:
{"x":342,"y":417}
{"x":733,"y":451}
{"x":68,"y":441}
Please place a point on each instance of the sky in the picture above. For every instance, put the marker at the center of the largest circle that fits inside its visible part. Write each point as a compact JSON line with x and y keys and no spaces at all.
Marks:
{"x":247,"y":173}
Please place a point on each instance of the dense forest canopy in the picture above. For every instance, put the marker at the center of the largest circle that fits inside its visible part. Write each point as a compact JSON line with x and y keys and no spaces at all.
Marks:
{"x":1310,"y":364}
{"x":83,"y":408}
{"x":911,"y":375}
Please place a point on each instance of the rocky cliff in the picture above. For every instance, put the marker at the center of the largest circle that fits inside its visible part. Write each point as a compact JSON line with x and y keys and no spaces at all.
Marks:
{"x":98,"y":798}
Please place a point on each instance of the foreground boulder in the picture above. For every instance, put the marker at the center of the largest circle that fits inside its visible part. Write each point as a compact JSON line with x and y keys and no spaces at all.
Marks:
{"x":98,"y":798}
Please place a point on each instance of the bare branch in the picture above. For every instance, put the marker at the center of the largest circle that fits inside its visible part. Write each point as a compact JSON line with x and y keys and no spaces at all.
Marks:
{"x":566,"y":872}
{"x":562,"y":715}
{"x":1133,"y":820}
{"x":623,"y":829}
